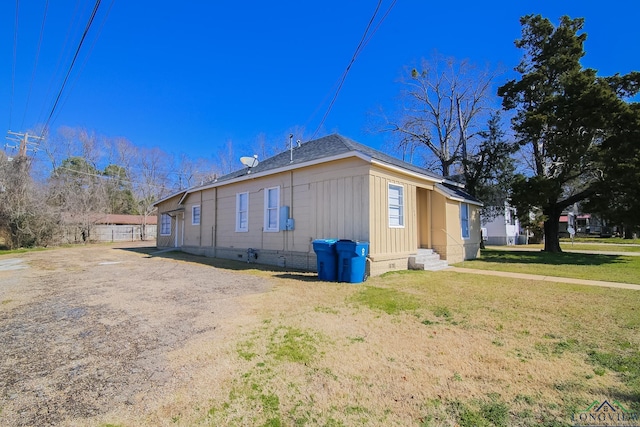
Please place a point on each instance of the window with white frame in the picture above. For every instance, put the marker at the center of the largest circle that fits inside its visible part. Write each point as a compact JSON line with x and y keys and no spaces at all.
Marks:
{"x":242,"y":212}
{"x":396,"y":205}
{"x":464,"y":220}
{"x":165,"y":225}
{"x":195,"y":215}
{"x":271,"y":208}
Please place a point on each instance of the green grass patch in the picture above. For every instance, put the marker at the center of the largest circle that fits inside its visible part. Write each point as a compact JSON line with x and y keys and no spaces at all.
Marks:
{"x":491,"y":413}
{"x":328,"y":310}
{"x":245,"y":350}
{"x":602,"y":240}
{"x":293,"y":345}
{"x":626,"y":364}
{"x":612,"y":268}
{"x":596,"y":247}
{"x":442,"y":312}
{"x":22,"y":250}
{"x":388,"y":300}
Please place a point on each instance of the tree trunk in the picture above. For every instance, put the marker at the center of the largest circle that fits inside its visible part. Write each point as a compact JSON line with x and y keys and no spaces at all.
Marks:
{"x":551,"y":230}
{"x":628,"y":232}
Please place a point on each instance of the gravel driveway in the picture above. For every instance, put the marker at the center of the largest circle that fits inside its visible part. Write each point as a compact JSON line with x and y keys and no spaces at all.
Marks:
{"x":84,"y":330}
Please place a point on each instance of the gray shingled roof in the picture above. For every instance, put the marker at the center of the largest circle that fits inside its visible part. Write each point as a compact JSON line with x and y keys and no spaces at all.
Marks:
{"x":457,"y":192}
{"x":327,"y":146}
{"x":330,"y":146}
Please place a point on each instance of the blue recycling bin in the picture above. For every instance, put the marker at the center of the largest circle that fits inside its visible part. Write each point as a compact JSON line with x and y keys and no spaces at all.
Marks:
{"x":352,"y":260}
{"x":326,"y":255}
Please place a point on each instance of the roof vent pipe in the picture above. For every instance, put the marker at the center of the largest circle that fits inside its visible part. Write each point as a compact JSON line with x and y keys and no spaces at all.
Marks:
{"x":290,"y":148}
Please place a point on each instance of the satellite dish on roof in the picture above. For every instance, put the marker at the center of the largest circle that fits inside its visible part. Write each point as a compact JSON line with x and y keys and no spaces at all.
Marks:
{"x":250,"y":162}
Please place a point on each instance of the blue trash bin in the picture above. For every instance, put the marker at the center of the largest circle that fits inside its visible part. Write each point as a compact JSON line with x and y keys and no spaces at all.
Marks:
{"x":352,"y":260}
{"x":326,"y":255}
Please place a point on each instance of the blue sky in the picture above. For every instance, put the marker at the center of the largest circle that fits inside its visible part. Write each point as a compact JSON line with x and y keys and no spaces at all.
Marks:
{"x":190,"y":76}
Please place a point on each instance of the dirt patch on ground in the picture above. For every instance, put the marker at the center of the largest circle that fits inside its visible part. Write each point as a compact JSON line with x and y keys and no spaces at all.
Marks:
{"x":87,"y":330}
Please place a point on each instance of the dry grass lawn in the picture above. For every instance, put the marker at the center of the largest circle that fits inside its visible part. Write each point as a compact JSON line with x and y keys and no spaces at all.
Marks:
{"x":111,"y":338}
{"x":414,"y":348}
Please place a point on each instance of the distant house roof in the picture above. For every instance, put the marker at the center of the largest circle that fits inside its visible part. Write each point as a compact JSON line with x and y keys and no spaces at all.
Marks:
{"x":116,"y":219}
{"x":325,"y":149}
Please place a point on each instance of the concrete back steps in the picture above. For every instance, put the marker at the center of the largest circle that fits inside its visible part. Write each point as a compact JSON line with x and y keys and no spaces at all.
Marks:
{"x":427,"y":259}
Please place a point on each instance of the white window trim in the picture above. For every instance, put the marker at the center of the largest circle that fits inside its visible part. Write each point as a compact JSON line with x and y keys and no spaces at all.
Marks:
{"x":238,"y":228}
{"x":162,"y":218}
{"x":266,"y":228}
{"x":468,"y":222}
{"x":401,"y":206}
{"x":193,"y":217}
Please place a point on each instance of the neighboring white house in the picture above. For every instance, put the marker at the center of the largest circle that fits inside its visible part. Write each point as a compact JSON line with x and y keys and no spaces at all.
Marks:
{"x":504,"y":229}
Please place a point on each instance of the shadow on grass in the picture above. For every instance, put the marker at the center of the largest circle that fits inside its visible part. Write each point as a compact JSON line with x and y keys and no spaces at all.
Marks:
{"x":224,"y":264}
{"x":302,"y":276}
{"x":562,"y":258}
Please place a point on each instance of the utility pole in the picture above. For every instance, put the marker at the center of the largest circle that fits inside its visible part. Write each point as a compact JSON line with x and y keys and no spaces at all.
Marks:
{"x":24,"y":142}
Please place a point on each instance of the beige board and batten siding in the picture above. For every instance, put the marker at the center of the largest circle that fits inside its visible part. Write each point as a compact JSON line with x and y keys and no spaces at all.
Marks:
{"x":446,"y":229}
{"x":202,"y":234}
{"x":170,"y":207}
{"x":325,"y":201}
{"x":390,"y":247}
{"x":339,"y":207}
{"x":472,"y":244}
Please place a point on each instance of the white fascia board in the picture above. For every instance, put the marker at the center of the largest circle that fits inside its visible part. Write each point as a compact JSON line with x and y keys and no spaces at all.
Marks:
{"x":458,"y":199}
{"x":171,"y":196}
{"x":184,"y":196}
{"x":454,"y":183}
{"x":279,"y":170}
{"x":405,"y":171}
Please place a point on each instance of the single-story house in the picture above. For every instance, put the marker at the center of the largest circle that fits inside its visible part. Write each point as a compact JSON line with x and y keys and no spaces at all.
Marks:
{"x":111,"y":228}
{"x":583,"y":224}
{"x":119,"y":227}
{"x":331,"y":187}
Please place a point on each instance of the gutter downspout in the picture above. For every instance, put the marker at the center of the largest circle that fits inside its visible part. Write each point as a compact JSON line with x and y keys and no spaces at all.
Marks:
{"x":214,"y":231}
{"x":429,"y":219}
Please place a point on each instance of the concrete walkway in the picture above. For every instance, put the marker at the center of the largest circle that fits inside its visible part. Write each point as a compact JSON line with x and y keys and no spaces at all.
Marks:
{"x":545,"y":278}
{"x":524,"y":248}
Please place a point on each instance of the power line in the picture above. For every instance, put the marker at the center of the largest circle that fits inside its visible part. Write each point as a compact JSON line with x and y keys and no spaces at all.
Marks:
{"x":364,"y":40}
{"x":35,"y":65}
{"x":86,"y":59}
{"x":25,"y":142}
{"x":15,"y":60}
{"x":61,"y":58}
{"x":75,"y":56}
{"x":110,"y":177}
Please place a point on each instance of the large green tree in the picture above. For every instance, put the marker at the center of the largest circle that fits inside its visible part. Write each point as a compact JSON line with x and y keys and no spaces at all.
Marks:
{"x":617,"y":196}
{"x":488,"y":172}
{"x":119,"y":191}
{"x":563,"y":115}
{"x":78,"y":192}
